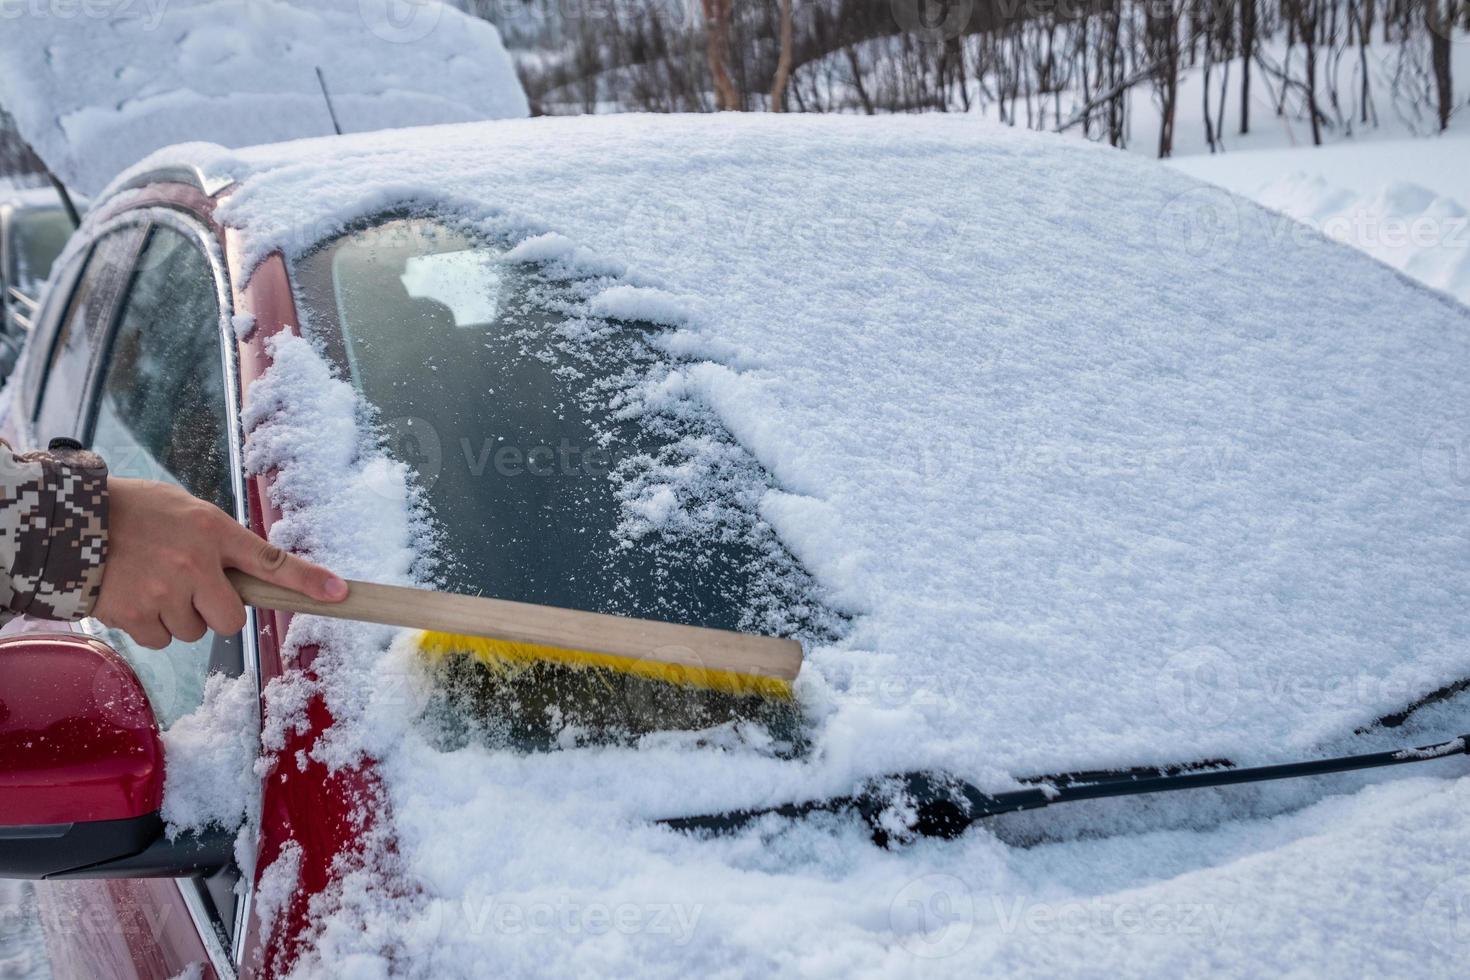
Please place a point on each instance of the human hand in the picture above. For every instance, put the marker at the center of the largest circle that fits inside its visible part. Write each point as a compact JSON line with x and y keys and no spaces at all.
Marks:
{"x":167,"y":553}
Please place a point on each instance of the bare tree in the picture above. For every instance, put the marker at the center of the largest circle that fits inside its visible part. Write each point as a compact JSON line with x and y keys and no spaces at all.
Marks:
{"x":1439,"y":18}
{"x":1247,"y":55}
{"x":1063,"y":66}
{"x":717,"y":39}
{"x":1161,"y":33}
{"x":1304,"y":16}
{"x":783,"y":62}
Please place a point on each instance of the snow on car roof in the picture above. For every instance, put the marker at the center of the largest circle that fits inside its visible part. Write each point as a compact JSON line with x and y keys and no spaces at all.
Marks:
{"x":93,"y":92}
{"x":1108,"y":467}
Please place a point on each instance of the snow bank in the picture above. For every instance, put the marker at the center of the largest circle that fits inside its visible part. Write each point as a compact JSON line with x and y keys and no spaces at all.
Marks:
{"x":93,"y":89}
{"x":1403,"y":225}
{"x":1404,"y":207}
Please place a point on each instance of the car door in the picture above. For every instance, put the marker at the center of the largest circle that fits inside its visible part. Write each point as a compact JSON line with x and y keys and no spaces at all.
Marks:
{"x":151,"y":393}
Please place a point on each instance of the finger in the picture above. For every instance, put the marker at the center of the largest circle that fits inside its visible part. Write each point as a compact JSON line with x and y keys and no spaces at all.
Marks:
{"x":220,"y":606}
{"x":150,"y":633}
{"x":183,"y":623}
{"x":249,"y":553}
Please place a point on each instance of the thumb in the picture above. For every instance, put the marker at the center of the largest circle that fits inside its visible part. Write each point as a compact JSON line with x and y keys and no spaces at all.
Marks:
{"x":260,"y":558}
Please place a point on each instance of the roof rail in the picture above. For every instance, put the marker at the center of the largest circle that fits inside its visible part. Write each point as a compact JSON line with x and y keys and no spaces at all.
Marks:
{"x":177,"y":174}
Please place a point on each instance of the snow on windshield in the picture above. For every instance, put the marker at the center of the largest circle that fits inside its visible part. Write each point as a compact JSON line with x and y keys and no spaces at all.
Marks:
{"x":92,"y":95}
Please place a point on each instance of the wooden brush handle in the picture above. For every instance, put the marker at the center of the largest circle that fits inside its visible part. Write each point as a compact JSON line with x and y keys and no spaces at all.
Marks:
{"x":523,"y":622}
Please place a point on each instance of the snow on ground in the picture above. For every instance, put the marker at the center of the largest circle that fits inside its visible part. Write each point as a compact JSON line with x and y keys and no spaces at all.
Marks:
{"x":1099,"y":484}
{"x":95,"y":88}
{"x":1438,"y":164}
{"x":1403,"y":201}
{"x":22,"y":943}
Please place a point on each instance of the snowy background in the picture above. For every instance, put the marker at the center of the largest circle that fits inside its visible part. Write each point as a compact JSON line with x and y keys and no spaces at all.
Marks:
{"x":1344,"y":876}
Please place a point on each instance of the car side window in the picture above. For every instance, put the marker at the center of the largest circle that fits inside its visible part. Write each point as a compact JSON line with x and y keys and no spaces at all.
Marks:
{"x":62,"y":380}
{"x":159,"y":413}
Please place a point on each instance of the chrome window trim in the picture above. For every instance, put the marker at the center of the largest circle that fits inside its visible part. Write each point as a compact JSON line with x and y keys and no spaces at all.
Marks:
{"x":225,"y":963}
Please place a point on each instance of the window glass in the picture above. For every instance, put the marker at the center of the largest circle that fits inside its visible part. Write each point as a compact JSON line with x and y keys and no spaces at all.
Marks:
{"x":538,"y":485}
{"x":160,"y":414}
{"x":39,"y":235}
{"x":62,"y":383}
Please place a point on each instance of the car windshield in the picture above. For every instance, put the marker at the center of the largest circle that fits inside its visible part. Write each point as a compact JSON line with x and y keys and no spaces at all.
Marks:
{"x":539,"y":479}
{"x":39,"y":236}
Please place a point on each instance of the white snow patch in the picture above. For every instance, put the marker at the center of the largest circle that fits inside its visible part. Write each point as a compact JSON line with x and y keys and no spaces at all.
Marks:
{"x":94,"y":97}
{"x":243,"y":324}
{"x":278,"y":883}
{"x":209,"y":756}
{"x":641,"y":303}
{"x":656,"y":505}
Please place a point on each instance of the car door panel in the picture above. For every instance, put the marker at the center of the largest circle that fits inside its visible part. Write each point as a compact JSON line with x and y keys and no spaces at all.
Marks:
{"x":126,"y":929}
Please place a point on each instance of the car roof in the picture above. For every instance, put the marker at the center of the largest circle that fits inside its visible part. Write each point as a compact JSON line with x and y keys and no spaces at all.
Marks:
{"x":1106,"y":466}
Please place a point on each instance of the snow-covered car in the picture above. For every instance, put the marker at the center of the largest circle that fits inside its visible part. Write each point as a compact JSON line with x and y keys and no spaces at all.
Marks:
{"x":1068,"y":471}
{"x":34,"y":228}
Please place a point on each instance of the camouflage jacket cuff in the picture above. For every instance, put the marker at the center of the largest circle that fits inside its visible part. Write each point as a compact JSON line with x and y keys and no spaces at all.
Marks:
{"x":53,"y":531}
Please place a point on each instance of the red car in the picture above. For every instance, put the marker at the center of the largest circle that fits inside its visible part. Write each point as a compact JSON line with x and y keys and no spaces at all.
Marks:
{"x":163,"y":316}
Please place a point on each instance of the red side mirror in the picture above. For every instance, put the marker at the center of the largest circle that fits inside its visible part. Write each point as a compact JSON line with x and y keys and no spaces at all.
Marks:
{"x":77,"y":737}
{"x":81,"y":768}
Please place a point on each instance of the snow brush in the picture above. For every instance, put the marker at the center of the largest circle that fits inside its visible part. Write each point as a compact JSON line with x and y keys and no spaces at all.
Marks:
{"x":509,"y":636}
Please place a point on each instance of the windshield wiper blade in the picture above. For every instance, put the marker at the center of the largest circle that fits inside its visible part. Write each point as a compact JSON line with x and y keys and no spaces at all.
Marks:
{"x":933,"y":804}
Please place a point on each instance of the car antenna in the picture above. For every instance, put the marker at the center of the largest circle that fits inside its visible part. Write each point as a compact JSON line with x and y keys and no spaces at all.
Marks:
{"x":326,"y":96}
{"x":66,"y":201}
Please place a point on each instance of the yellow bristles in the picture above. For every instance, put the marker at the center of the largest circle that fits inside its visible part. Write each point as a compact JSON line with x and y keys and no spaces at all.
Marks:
{"x":509,"y":657}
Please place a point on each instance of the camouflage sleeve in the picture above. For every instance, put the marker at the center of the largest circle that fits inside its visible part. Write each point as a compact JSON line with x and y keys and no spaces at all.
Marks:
{"x":53,"y":531}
